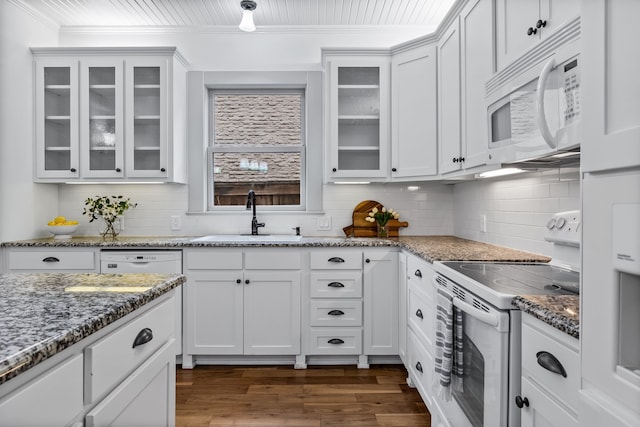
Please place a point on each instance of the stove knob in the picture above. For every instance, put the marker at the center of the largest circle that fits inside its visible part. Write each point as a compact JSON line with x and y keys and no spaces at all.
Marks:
{"x":551,"y":223}
{"x":560,"y":223}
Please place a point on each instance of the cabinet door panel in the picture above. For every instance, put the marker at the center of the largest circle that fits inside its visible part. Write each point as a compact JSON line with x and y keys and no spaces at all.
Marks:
{"x":542,"y":410}
{"x":381,"y":302}
{"x":449,"y":100}
{"x":272,"y":312}
{"x":414,"y":125}
{"x":513,"y":18}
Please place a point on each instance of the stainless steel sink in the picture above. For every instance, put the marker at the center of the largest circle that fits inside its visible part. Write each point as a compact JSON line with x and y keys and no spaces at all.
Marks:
{"x":248,"y":238}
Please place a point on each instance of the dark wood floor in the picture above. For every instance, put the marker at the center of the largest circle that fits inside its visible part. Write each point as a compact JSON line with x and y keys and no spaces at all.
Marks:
{"x":327,"y":396}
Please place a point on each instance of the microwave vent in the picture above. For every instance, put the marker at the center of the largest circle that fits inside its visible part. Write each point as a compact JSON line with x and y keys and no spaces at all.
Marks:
{"x":566,"y":158}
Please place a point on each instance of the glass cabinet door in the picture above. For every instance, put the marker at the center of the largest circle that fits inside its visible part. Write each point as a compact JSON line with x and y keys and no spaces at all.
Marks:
{"x":146,"y":120}
{"x":57,"y":120}
{"x":102,"y":125}
{"x":360,"y":108}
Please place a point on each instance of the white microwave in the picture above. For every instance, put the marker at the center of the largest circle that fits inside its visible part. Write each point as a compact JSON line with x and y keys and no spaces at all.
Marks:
{"x":539,"y":115}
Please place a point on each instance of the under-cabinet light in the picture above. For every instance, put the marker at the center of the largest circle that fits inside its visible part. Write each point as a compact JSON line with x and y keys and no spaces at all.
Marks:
{"x":352,"y":182}
{"x":112,"y":182}
{"x":500,"y":172}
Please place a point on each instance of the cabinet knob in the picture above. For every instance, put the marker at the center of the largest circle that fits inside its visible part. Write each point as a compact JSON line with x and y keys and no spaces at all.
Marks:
{"x":418,"y":273}
{"x":520,"y":402}
{"x":541,"y":23}
{"x":143,"y":337}
{"x":549,"y":362}
{"x":238,"y":281}
{"x":118,"y":170}
{"x":531,"y":31}
{"x":394,"y":170}
{"x":246,"y":281}
{"x":72,"y":169}
{"x":455,"y":160}
{"x":163,"y":170}
{"x":419,"y":314}
{"x":461,"y":159}
{"x":367,"y":260}
{"x":334,"y":169}
{"x":335,"y":341}
{"x":419,"y":367}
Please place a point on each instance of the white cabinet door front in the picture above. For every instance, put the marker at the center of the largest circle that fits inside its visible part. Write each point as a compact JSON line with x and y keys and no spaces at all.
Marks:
{"x":449,"y":100}
{"x":380,"y":302}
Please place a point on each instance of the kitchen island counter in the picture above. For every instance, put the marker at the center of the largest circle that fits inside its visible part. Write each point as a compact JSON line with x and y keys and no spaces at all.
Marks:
{"x":43,"y":314}
{"x":430,"y":248}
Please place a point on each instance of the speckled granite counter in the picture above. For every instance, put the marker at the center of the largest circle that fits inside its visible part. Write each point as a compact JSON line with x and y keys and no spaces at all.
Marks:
{"x":42,"y":314}
{"x":560,"y":311}
{"x":431,"y":248}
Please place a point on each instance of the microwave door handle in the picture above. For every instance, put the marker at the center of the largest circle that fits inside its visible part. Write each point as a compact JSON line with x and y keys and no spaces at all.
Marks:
{"x":488,"y":318}
{"x":550,"y":139}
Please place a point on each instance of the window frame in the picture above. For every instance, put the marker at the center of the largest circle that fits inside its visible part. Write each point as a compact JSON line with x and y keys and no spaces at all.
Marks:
{"x":198,"y":85}
{"x":230,"y":148}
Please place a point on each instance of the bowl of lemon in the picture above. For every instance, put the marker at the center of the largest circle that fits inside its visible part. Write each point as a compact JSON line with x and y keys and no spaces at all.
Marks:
{"x":61,"y":227}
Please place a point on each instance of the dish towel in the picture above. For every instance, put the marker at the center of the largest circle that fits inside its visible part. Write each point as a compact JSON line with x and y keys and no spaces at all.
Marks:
{"x":449,"y":346}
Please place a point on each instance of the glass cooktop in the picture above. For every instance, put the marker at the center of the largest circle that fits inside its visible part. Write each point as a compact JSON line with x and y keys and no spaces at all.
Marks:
{"x":520,"y":278}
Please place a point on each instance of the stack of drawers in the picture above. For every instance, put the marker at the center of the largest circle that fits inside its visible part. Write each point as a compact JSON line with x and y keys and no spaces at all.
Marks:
{"x":335,"y":303}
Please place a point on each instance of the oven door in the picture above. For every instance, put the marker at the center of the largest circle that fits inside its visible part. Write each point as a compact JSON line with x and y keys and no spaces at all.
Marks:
{"x":484,"y":400}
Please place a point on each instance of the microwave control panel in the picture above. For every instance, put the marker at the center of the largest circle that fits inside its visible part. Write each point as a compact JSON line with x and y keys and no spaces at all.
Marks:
{"x":571,"y":90}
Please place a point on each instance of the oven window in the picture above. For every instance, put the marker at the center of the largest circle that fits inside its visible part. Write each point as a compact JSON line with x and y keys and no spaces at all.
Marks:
{"x":471,"y":399}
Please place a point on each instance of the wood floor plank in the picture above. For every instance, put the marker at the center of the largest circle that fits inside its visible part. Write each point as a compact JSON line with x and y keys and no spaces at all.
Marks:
{"x":333,"y":396}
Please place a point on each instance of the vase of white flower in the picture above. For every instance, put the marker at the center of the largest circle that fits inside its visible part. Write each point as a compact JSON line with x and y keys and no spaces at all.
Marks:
{"x":381,"y":218}
{"x":109,"y":209}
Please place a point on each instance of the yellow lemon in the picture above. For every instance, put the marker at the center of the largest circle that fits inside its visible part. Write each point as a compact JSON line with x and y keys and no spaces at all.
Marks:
{"x":59,"y":220}
{"x":51,"y":223}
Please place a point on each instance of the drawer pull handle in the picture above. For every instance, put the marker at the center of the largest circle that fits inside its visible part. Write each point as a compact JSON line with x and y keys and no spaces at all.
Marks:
{"x":549,"y":362}
{"x":51,"y":259}
{"x":419,"y":314}
{"x":336,"y":313}
{"x":418,"y":273}
{"x":143,"y":337}
{"x":335,"y":341}
{"x":335,"y":285}
{"x":419,"y":367}
{"x":520,"y":402}
{"x":336,"y":259}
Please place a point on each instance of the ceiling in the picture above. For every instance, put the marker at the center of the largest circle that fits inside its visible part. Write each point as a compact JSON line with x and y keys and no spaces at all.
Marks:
{"x":424,"y":14}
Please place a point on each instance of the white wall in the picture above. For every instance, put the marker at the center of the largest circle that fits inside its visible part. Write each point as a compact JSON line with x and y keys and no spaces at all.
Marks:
{"x":24,"y":206}
{"x":517,"y":208}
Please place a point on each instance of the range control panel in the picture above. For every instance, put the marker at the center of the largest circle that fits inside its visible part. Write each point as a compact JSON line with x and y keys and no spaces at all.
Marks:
{"x":564,"y":228}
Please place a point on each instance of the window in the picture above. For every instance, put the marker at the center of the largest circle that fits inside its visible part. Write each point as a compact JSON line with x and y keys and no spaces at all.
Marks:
{"x":256,"y":141}
{"x":202,"y":85}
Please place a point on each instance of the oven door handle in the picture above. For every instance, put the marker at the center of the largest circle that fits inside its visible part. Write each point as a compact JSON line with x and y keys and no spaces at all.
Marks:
{"x":488,"y":318}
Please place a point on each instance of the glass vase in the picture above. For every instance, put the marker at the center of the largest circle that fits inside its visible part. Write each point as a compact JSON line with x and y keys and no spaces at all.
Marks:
{"x":110,"y":229}
{"x":383,"y":230}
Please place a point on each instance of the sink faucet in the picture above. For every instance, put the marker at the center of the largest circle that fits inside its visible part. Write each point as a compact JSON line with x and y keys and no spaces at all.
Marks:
{"x":251,"y":203}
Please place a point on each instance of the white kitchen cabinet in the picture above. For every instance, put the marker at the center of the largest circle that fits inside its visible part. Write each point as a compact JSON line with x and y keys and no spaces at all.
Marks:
{"x":402,"y":306}
{"x":357,"y":101}
{"x":59,"y":260}
{"x":476,"y":68}
{"x":610,"y":70}
{"x":380,"y":281}
{"x":241,"y":302}
{"x":449,"y":142}
{"x":414,"y":137}
{"x":550,"y":375}
{"x":105,"y":114}
{"x":521,"y":24}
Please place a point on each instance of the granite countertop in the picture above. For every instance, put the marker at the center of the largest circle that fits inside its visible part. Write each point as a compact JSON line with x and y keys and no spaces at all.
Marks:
{"x":560,"y":311}
{"x":42,"y":314}
{"x":431,"y":248}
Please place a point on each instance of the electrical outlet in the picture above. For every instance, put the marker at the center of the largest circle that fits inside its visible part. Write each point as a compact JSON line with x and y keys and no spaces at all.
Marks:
{"x":483,"y":223}
{"x":175,"y":223}
{"x":324,"y":223}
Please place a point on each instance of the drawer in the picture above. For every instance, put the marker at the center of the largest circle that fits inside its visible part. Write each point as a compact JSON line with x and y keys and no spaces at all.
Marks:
{"x":421,"y":367}
{"x":272,"y":259}
{"x":535,"y":340}
{"x":419,"y":271}
{"x":113,"y":358}
{"x":52,"y":260}
{"x":211,"y":259}
{"x":335,"y":341}
{"x":421,"y":315}
{"x":344,"y":284}
{"x":335,"y":313}
{"x":336,"y":260}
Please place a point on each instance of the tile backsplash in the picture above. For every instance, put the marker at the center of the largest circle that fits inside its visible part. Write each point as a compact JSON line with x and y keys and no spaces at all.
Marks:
{"x":516,"y":209}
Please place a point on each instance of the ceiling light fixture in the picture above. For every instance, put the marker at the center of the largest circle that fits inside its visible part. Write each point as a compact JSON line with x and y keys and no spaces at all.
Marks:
{"x":248,"y":6}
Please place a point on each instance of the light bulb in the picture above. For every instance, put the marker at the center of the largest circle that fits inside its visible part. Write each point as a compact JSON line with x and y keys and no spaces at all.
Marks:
{"x":247,"y":21}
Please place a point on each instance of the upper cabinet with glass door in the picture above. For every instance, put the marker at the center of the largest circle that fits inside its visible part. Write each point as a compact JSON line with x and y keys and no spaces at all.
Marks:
{"x":358,"y":112}
{"x":127,"y":118}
